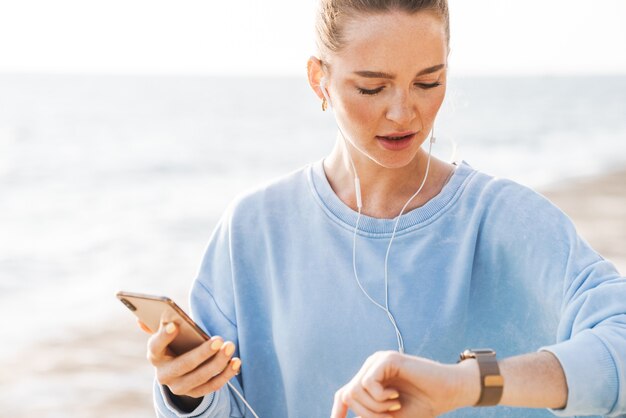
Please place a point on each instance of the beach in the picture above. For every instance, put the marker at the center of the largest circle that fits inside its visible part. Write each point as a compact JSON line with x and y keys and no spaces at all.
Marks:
{"x":115,"y":183}
{"x":102,"y":370}
{"x":597,"y":205}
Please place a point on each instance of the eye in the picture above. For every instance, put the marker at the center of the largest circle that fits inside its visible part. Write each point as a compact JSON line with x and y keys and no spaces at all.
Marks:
{"x":428,"y":86}
{"x":370,"y":92}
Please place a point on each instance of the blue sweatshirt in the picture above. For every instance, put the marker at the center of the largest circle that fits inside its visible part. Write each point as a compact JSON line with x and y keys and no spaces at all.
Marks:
{"x":485,"y":263}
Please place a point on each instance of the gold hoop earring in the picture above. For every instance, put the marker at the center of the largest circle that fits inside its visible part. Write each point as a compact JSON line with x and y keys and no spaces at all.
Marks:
{"x":324,"y":104}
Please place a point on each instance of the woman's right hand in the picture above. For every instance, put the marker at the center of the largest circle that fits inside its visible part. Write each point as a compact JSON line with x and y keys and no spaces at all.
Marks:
{"x":196,"y":373}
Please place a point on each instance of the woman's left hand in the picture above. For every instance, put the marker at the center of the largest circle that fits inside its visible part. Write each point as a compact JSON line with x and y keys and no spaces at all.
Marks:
{"x":396,"y":385}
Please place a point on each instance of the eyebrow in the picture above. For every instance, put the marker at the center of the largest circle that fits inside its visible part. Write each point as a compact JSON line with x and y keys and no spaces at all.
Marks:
{"x":379,"y":74}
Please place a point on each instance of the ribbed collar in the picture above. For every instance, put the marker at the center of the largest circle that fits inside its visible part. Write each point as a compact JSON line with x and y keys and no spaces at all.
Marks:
{"x":375,"y":227}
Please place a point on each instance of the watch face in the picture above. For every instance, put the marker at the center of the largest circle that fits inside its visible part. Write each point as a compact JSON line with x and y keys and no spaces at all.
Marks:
{"x":483,"y":351}
{"x":473,"y":352}
{"x":467,"y":354}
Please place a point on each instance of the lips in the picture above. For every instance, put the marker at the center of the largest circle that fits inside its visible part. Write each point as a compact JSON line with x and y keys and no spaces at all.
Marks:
{"x":396,"y":141}
{"x":394,"y":136}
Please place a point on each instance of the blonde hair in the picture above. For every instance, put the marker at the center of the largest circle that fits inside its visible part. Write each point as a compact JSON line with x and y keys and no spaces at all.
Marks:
{"x":332,"y":14}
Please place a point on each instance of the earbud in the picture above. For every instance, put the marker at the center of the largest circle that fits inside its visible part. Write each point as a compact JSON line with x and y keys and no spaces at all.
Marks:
{"x":357,"y":192}
{"x":324,"y":91}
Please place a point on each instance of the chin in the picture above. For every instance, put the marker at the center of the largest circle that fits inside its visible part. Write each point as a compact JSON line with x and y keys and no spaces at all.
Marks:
{"x":400,"y":160}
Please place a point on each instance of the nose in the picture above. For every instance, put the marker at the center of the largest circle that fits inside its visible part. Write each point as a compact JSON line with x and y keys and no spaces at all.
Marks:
{"x":402,"y":110}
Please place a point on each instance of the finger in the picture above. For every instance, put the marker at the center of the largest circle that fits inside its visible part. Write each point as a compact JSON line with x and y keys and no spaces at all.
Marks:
{"x":158,"y":342}
{"x":343,"y":402}
{"x":340,"y":409}
{"x":206,"y":373}
{"x":359,"y":396}
{"x":144,"y":327}
{"x":192,"y":359}
{"x":371,"y":375}
{"x":364,"y":412}
{"x":354,"y":389}
{"x":385,"y":367}
{"x":375,"y":389}
{"x":217,"y":382}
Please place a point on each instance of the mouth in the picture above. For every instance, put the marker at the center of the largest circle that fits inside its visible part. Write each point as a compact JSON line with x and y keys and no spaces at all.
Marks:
{"x":396,"y":140}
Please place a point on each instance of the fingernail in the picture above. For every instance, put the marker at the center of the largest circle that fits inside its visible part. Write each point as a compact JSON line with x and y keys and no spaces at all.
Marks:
{"x":395,"y":395}
{"x":395,"y":407}
{"x":216,"y":345}
{"x":170,"y":328}
{"x":230,"y":349}
{"x":236,"y":364}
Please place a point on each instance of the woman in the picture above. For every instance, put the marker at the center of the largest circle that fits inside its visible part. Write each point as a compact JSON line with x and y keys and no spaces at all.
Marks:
{"x":312,"y":285}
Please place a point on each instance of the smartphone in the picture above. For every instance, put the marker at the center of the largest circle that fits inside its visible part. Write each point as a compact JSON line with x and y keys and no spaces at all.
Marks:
{"x":150,"y":309}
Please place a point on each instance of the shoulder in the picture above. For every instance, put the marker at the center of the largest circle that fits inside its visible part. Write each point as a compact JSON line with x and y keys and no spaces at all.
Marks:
{"x":253,"y":213}
{"x":497,"y":195}
{"x":271,"y":198}
{"x":503,"y":210}
{"x":523,"y":223}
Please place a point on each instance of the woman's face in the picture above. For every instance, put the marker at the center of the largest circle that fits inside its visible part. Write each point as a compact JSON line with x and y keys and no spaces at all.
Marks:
{"x":388,"y":82}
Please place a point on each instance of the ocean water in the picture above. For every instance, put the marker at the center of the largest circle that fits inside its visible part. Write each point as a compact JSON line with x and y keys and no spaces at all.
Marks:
{"x":115,"y":182}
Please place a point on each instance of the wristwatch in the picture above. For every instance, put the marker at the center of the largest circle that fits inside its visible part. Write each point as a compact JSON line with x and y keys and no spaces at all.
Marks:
{"x":491,"y":381}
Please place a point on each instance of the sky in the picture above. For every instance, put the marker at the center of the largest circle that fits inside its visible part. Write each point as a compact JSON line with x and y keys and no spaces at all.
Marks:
{"x":275,"y":37}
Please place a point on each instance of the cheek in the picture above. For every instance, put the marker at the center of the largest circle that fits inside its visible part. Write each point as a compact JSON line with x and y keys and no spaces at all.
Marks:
{"x":428,"y":105}
{"x":361,"y":112}
{"x":437,"y":101}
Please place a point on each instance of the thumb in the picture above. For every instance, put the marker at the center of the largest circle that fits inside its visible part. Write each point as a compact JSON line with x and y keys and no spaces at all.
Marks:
{"x":168,"y":330}
{"x":160,"y":340}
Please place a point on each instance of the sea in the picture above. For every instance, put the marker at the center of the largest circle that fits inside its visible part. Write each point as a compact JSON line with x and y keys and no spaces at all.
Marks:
{"x":111,"y":182}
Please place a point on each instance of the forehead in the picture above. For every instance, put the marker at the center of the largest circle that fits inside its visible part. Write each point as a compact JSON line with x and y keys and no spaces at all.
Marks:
{"x":392,"y":41}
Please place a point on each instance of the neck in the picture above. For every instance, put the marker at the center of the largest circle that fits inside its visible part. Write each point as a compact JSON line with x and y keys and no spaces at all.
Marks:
{"x":384,"y":190}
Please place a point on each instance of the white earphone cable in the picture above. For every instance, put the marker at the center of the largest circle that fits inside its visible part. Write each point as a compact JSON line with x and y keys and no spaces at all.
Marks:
{"x":385,"y":308}
{"x":243,"y":399}
{"x":357,"y":187}
{"x":357,"y":191}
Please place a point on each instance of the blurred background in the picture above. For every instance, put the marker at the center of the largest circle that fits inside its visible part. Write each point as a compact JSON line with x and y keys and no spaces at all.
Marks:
{"x":126,"y":127}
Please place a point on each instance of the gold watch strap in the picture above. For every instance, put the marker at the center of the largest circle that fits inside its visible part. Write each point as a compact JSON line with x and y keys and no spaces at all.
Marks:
{"x":491,"y":381}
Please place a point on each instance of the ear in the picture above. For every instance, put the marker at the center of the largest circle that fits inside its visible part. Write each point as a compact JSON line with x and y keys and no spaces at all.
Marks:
{"x":315,"y":73}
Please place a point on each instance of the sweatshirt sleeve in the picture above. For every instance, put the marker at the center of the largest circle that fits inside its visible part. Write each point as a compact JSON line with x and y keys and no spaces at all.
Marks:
{"x":579,"y":293}
{"x":212,"y":308}
{"x":584,"y":292}
{"x":591,"y":340}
